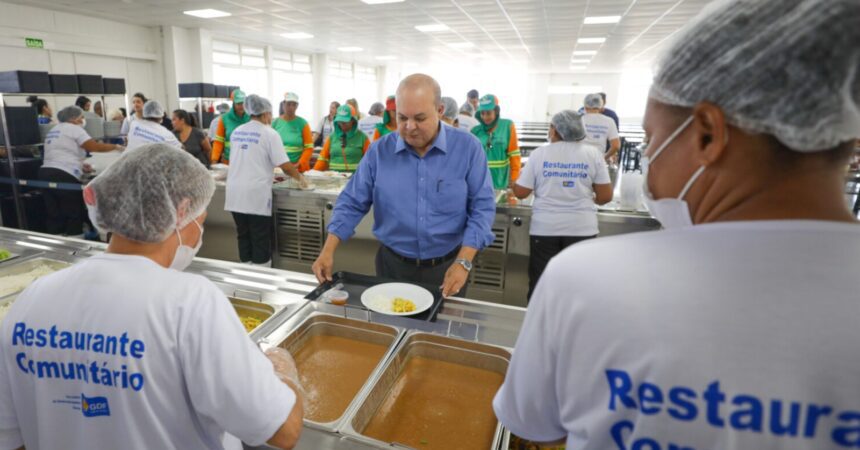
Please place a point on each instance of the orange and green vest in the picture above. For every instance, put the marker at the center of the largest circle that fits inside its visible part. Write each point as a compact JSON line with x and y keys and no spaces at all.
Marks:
{"x":346,"y":159}
{"x":496,"y":144}
{"x":230,"y":121}
{"x":291,"y":136}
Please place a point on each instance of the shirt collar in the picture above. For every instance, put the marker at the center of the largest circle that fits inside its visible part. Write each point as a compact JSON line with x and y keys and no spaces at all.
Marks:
{"x":441,"y":141}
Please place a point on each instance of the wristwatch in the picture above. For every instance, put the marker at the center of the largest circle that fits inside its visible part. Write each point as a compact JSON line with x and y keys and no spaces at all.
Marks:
{"x":465,"y":263}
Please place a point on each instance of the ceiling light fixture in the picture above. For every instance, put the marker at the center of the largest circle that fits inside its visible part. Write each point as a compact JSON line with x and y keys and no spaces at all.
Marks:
{"x":386,"y":58}
{"x":297,"y":35}
{"x":580,"y":61}
{"x":432,"y":28}
{"x":381,"y":2}
{"x":350,"y":49}
{"x":600,"y":20}
{"x":206,"y":13}
{"x":461,"y":45}
{"x":584,"y":52}
{"x":590,"y":40}
{"x":577,"y":67}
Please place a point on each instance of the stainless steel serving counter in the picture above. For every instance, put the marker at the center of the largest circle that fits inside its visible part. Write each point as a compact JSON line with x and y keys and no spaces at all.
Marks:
{"x":462,"y":319}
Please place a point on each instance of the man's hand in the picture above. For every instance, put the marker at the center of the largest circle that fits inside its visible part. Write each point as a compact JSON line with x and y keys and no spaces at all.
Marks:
{"x":323,"y":266}
{"x":455,"y":279}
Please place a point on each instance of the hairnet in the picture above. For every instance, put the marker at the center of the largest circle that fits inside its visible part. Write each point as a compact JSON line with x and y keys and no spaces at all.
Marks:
{"x":450,"y":107}
{"x":153,"y":110}
{"x":467,"y":108}
{"x":256,"y":105}
{"x":149,"y":192}
{"x":69,"y":113}
{"x":593,"y":101}
{"x":787,"y":68}
{"x":376,"y":108}
{"x":568,"y":124}
{"x":223,"y":108}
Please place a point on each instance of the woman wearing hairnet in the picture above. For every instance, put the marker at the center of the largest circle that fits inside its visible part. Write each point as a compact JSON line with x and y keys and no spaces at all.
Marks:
{"x":449,"y":115}
{"x":149,"y":129}
{"x":736,"y":326}
{"x":256,"y":150}
{"x":567,"y":177}
{"x":66,"y":147}
{"x":125,"y":349}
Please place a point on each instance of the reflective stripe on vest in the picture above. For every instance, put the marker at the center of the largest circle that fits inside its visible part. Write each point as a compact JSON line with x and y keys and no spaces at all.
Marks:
{"x":501,"y":164}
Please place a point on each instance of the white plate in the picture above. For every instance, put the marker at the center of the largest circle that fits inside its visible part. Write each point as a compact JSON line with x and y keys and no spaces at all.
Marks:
{"x":381,"y":293}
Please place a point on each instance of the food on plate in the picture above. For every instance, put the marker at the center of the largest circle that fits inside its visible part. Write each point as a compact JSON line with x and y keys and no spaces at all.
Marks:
{"x":402,"y":305}
{"x":250,"y":323}
{"x":4,"y":254}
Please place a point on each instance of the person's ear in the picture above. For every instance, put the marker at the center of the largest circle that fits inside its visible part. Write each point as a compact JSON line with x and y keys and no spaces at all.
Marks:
{"x":441,"y":110}
{"x":710,"y":133}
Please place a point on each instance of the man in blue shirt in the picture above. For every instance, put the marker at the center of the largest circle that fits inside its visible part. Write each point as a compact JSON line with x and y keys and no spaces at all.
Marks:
{"x":432,"y":194}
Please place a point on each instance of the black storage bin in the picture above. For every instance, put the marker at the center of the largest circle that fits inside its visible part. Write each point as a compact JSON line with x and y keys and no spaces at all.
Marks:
{"x":23,"y":125}
{"x":231,"y":89}
{"x":33,"y":204}
{"x":64,"y":84}
{"x":21,"y":81}
{"x":209,"y":90}
{"x":114,"y":85}
{"x":191,"y":90}
{"x":222,"y":91}
{"x":207,"y":119}
{"x":91,"y":84}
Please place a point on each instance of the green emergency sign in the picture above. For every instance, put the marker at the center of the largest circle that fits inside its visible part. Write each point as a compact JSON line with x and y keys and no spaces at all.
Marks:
{"x":34,"y":43}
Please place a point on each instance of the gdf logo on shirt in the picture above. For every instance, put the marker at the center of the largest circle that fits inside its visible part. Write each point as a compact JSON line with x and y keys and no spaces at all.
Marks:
{"x":94,"y":406}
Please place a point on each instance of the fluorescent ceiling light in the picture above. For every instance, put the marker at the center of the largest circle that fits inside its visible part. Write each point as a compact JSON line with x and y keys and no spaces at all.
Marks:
{"x":599,"y":20}
{"x":461,"y":45}
{"x":350,"y":49}
{"x":432,"y":28}
{"x":590,"y":40}
{"x":297,"y":35}
{"x":386,"y":58}
{"x":584,"y":52}
{"x":576,"y":89}
{"x":206,"y":13}
{"x":381,"y":2}
{"x":577,"y":67}
{"x":580,"y":61}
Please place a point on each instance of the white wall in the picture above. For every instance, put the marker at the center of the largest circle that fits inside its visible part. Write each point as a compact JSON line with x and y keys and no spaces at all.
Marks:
{"x":82,"y":45}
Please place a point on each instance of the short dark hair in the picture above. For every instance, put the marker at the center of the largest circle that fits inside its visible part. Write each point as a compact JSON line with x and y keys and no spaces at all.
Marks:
{"x":473,"y":94}
{"x":140,"y":96}
{"x":82,"y":101}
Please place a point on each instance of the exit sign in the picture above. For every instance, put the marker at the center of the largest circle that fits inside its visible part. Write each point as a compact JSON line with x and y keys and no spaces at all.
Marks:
{"x":34,"y":43}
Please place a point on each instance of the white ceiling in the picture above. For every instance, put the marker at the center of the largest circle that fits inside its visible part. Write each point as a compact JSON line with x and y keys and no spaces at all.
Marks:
{"x":540,"y":34}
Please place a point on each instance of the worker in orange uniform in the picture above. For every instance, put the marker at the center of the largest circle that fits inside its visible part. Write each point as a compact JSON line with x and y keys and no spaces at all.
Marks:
{"x":295,"y":133}
{"x":352,"y":142}
{"x":229,"y":122}
{"x":499,"y":138}
{"x":389,"y":119}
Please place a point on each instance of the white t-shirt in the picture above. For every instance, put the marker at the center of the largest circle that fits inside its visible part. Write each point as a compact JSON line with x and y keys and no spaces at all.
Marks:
{"x":63,"y":148}
{"x":175,"y":366}
{"x":255,"y":151}
{"x":561,"y":175}
{"x":715,"y":334}
{"x":599,"y":130}
{"x":326,"y":125}
{"x":126,"y":124}
{"x":145,"y":132}
{"x":367,"y":124}
{"x":213,"y":127}
{"x":467,"y":122}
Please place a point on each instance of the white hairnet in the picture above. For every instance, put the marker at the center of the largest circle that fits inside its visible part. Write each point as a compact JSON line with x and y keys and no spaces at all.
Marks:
{"x":150,"y":192}
{"x":376,"y":108}
{"x":467,"y":108}
{"x":69,"y":113}
{"x":593,"y":101}
{"x":153,"y":110}
{"x":451,"y":109}
{"x":256,"y":105}
{"x":787,"y":68}
{"x":568,"y":124}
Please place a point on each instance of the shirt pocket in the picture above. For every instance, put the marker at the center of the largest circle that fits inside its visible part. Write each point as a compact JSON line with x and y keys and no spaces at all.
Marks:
{"x":450,"y":196}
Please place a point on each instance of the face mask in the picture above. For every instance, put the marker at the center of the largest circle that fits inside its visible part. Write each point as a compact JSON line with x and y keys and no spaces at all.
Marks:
{"x":670,"y":212}
{"x":185,"y":254}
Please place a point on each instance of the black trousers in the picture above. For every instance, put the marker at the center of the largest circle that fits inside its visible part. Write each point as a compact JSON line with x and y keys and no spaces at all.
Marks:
{"x":544,"y":248}
{"x":254,"y":234}
{"x":65,"y":209}
{"x":388,"y":265}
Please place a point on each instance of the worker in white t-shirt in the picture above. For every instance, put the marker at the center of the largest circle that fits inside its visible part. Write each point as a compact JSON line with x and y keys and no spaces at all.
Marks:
{"x":257,"y":150}
{"x":124,"y":349}
{"x":66,"y":147}
{"x":736,"y":327}
{"x":601,"y":130}
{"x":567,"y":178}
{"x":149,"y":129}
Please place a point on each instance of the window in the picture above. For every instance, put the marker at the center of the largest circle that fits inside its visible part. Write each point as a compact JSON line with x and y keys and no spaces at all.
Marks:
{"x":239,"y":64}
{"x":291,"y":72}
{"x":347,"y":80}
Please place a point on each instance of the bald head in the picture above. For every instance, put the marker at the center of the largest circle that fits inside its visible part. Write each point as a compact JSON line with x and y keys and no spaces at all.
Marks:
{"x":419,"y":83}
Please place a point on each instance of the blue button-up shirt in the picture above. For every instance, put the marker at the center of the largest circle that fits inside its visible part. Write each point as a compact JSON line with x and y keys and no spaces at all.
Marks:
{"x":423,"y":207}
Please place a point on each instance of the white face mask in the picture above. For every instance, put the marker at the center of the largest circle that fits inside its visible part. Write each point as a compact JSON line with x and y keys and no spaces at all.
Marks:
{"x":185,"y":254}
{"x":670,"y":212}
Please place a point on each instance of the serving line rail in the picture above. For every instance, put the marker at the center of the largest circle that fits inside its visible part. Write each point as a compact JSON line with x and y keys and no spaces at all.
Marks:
{"x":465,"y":323}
